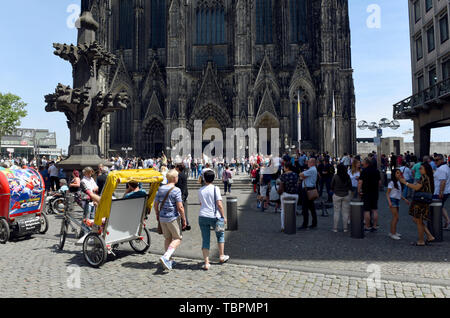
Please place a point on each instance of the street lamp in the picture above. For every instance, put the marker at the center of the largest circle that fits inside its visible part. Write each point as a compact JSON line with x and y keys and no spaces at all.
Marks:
{"x":373,"y":126}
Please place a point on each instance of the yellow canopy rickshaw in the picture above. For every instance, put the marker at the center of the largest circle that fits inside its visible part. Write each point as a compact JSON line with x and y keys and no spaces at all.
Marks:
{"x":151,"y":176}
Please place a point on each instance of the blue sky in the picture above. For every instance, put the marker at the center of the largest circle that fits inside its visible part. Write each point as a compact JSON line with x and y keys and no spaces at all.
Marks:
{"x":28,"y":68}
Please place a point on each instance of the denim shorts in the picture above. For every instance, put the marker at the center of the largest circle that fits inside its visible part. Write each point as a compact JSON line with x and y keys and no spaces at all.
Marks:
{"x":395,"y":203}
{"x":205,"y":227}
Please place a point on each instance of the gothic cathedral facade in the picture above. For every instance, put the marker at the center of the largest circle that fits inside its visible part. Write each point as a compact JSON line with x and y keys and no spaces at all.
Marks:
{"x":230,"y":64}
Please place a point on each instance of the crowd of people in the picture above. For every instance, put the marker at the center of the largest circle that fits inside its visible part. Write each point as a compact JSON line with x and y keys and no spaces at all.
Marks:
{"x":303,"y":177}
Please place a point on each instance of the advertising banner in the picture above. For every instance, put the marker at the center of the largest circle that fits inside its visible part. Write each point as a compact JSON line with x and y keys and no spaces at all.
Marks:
{"x":26,"y":189}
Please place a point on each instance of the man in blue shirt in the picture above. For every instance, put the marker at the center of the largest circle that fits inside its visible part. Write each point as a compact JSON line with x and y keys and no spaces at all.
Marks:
{"x":309,"y":183}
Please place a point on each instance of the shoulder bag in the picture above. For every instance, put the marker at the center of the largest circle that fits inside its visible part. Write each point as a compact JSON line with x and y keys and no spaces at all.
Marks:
{"x":160,"y":232}
{"x":220,"y":222}
{"x":423,"y":197}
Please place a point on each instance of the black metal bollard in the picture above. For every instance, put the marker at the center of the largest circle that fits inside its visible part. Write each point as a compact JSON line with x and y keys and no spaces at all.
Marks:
{"x":357,"y":220}
{"x":232,"y":215}
{"x":290,"y":216}
{"x":435,"y":223}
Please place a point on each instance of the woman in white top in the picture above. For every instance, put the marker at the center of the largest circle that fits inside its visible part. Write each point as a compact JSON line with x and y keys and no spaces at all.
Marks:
{"x":394,"y":195}
{"x":211,"y":215}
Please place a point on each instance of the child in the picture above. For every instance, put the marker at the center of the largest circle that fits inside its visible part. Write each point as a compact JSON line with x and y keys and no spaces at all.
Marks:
{"x":394,"y":195}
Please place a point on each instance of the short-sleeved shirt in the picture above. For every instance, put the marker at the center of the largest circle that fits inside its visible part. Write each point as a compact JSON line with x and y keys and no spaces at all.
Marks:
{"x":441,"y":174}
{"x":290,"y":181}
{"x":169,"y":212}
{"x":395,"y":193}
{"x":311,"y":178}
{"x":370,"y":178}
{"x":207,"y":203}
{"x":407,"y":174}
{"x":416,"y":171}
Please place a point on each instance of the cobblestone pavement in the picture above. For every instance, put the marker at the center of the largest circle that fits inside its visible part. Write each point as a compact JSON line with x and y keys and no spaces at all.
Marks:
{"x":264,"y":263}
{"x":34,"y":268}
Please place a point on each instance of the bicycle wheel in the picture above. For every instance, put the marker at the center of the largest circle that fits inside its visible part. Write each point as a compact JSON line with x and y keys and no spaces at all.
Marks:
{"x":63,"y":234}
{"x":94,"y":250}
{"x":142,"y":246}
{"x":58,"y":206}
{"x":44,"y":224}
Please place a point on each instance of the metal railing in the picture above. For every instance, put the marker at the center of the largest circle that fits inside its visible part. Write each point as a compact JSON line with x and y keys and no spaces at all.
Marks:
{"x":408,"y":107}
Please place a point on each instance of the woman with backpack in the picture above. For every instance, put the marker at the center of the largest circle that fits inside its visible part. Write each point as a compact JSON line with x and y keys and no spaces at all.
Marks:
{"x":341,"y":185}
{"x":227,"y":178}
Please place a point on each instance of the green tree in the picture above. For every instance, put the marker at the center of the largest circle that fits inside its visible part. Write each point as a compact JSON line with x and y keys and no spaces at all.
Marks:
{"x":12,"y":110}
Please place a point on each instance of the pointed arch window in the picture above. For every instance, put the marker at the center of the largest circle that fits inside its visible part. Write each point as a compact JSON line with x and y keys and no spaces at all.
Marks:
{"x":210,"y":24}
{"x":264,"y":23}
{"x":158,"y":24}
{"x":298,"y":11}
{"x":126,"y":24}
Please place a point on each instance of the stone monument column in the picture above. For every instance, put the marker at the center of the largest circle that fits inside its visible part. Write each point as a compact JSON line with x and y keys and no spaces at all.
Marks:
{"x":85,"y":105}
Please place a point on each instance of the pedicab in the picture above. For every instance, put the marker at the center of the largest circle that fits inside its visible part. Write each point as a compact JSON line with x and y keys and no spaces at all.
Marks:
{"x":119,"y":221}
{"x":21,"y":203}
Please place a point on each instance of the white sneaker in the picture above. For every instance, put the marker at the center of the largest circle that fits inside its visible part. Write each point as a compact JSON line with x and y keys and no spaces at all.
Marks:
{"x":224,"y":259}
{"x":394,"y":236}
{"x":398,"y":234}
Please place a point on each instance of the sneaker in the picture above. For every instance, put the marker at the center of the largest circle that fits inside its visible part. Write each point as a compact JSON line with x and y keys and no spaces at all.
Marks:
{"x":345,"y":231}
{"x":224,"y":259}
{"x":165,"y":263}
{"x":374,"y":229}
{"x":334,"y":230}
{"x":368,"y":229}
{"x":394,"y":237}
{"x":398,"y":234}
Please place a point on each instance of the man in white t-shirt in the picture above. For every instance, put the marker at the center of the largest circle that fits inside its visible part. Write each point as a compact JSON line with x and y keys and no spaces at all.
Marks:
{"x":53,"y":173}
{"x":442,"y":184}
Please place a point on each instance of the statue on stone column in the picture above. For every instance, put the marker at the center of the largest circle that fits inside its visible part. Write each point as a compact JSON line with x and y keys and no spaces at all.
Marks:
{"x":85,"y":105}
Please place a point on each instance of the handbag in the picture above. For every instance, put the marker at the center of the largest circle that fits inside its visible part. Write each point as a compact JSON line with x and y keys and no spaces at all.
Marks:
{"x":220,"y":222}
{"x":423,"y":197}
{"x":160,"y":232}
{"x":313,"y":195}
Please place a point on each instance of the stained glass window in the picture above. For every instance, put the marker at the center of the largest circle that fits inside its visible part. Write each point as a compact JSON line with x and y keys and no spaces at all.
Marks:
{"x":210,"y":25}
{"x":126,"y":24}
{"x":264,"y":27}
{"x":158,"y":24}
{"x":298,"y":20}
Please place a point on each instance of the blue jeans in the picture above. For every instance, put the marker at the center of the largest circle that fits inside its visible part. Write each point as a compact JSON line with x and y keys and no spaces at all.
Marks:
{"x":205,"y":227}
{"x":88,"y":211}
{"x":227,"y":186}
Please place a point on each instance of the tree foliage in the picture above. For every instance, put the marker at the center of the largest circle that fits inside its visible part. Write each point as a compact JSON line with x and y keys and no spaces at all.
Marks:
{"x":12,"y":110}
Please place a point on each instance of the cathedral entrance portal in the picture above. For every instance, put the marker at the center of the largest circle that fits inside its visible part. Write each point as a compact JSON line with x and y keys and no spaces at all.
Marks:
{"x":268,"y":121}
{"x":153,"y":139}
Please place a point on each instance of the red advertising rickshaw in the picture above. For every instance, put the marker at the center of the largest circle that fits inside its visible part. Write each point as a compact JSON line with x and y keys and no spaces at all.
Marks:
{"x":21,"y":202}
